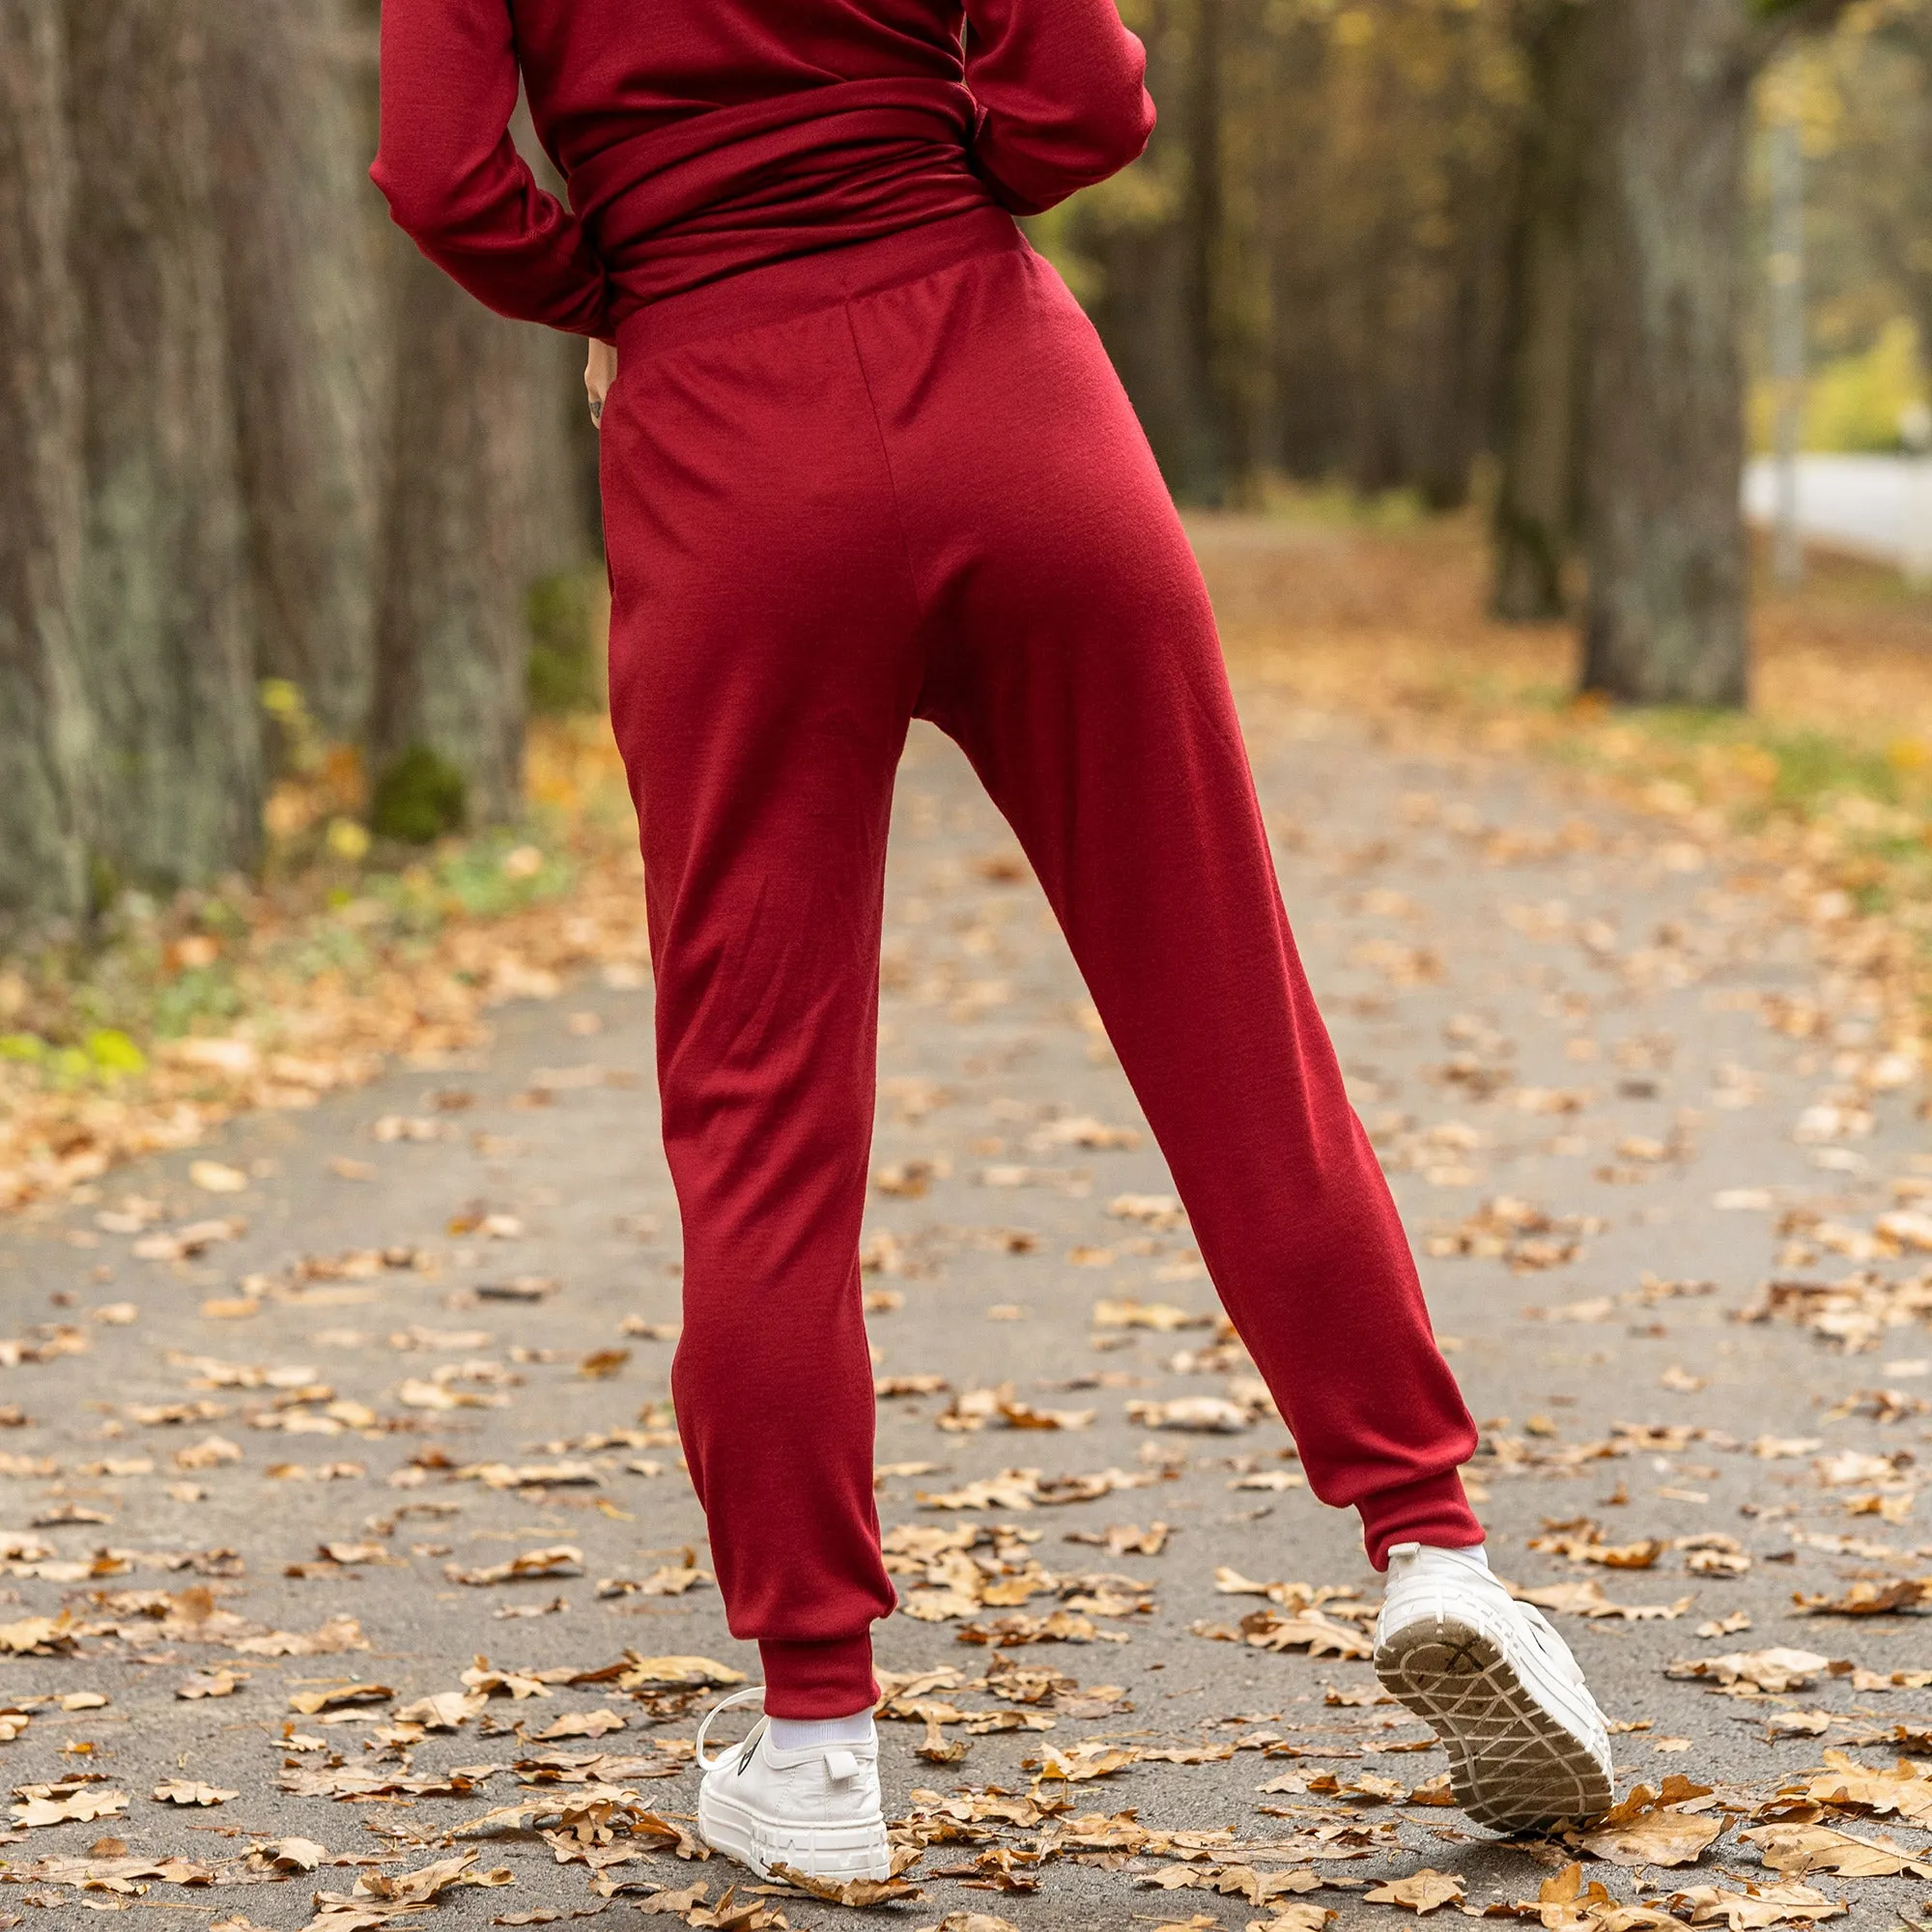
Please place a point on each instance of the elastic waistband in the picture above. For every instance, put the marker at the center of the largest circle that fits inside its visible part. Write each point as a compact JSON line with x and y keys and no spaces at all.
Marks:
{"x":776,"y":291}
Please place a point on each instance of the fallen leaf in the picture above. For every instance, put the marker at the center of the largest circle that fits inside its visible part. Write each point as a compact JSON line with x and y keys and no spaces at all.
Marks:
{"x":182,"y":1791}
{"x":1647,"y":1828}
{"x":1421,"y":1893}
{"x":563,"y":1559}
{"x":1870,"y":1598}
{"x":1799,"y":1849}
{"x":1773,"y":1670}
{"x":579,"y":1724}
{"x":62,"y":1804}
{"x":1756,"y":1906}
{"x":1089,"y":1760}
{"x":676,"y":1672}
{"x":859,"y":1892}
{"x":309,"y":1702}
{"x":1198,"y":1415}
{"x":298,"y":1854}
{"x":1848,"y":1785}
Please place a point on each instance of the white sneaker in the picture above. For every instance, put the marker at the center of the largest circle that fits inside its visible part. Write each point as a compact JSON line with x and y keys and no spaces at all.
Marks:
{"x":1526,"y":1742}
{"x":815,"y":1810}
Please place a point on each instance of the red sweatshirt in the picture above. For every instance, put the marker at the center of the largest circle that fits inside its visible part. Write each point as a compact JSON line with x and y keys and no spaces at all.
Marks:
{"x":700,"y":137}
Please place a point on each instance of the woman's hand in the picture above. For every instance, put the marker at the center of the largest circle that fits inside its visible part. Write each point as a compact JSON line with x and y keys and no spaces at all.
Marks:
{"x":599,"y":373}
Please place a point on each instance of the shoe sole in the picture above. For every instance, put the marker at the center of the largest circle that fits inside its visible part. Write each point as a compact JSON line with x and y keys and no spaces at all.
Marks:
{"x":761,"y":1841}
{"x":1513,"y":1763}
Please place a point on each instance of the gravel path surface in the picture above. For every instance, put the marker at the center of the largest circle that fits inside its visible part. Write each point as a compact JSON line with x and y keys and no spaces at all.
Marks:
{"x":427,"y":1337}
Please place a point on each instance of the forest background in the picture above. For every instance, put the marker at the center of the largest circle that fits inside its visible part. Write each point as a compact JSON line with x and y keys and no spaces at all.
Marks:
{"x":295,"y":539}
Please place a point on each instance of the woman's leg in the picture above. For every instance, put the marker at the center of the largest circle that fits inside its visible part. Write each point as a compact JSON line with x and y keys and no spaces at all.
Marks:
{"x":762,"y":676}
{"x":1073,"y":654}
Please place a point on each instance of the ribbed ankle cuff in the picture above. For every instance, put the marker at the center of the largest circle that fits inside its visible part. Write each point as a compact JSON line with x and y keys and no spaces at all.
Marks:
{"x":820,"y":1680}
{"x":1434,"y":1511}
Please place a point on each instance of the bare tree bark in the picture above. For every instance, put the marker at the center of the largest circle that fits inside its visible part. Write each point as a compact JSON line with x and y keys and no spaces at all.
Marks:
{"x":1539,"y":492}
{"x":1666,"y":621}
{"x":42,"y":741}
{"x":167,"y":619}
{"x":1666,"y":617}
{"x":452,"y":646}
{"x":299,"y":268}
{"x":1205,"y":228}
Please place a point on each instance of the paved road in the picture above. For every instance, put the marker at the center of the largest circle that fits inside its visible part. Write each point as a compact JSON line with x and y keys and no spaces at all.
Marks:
{"x":1873,"y":506}
{"x":1539,"y":1003}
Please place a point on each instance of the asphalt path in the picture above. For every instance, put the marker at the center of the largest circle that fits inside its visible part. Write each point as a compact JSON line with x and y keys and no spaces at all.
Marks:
{"x":1619,"y":1086}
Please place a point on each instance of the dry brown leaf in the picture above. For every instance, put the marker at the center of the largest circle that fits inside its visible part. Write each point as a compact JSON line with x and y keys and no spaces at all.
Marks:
{"x":1586,"y":1545}
{"x":580,"y":1724}
{"x":670,"y":1903}
{"x":1647,"y":1828}
{"x":309,"y":1702}
{"x":1771,"y":1670}
{"x":1756,"y":1906}
{"x":445,"y":1710}
{"x":429,"y":1882}
{"x":671,"y":1580}
{"x":676,"y":1673}
{"x":1194,"y":1414}
{"x":1125,"y":1539}
{"x":43,"y":1804}
{"x":1304,"y":1916}
{"x":1095,"y":1759}
{"x":1305,"y":1630}
{"x":858,"y":1891}
{"x":1585,"y":1598}
{"x":1161,"y":1317}
{"x":563,"y":1559}
{"x":1055,"y":1627}
{"x":211,"y":1683}
{"x":37,"y":1636}
{"x":185,"y":1791}
{"x":1848,"y":1785}
{"x":1799,"y":1849}
{"x":1870,"y":1599}
{"x":1421,"y":1893}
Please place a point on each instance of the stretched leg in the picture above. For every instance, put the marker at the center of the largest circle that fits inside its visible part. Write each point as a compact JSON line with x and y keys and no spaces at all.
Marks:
{"x":1073,"y":656}
{"x":761,"y":682}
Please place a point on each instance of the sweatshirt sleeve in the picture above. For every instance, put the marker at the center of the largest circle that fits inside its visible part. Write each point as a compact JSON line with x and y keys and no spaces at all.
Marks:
{"x":1063,"y":103}
{"x":452,"y":176}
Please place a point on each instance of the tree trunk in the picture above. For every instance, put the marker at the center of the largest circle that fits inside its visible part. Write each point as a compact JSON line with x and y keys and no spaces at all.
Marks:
{"x":1538,"y":496}
{"x":167,"y":624}
{"x":1310,"y":401}
{"x":452,"y":645}
{"x":41,"y":742}
{"x":1665,"y":621}
{"x":1205,"y":229}
{"x":298,"y":265}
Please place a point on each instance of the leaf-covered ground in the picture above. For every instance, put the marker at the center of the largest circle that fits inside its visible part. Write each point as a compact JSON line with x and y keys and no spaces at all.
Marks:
{"x":353,"y":1579}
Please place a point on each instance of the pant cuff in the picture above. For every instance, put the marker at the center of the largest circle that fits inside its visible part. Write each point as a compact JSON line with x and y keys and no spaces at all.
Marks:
{"x":1434,"y":1511}
{"x":831,"y":1679}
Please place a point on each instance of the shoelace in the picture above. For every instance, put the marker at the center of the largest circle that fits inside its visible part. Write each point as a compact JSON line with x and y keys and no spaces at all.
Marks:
{"x":743,"y":1751}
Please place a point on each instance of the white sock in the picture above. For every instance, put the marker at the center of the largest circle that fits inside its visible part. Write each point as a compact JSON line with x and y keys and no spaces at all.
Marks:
{"x":806,"y":1733}
{"x":1477,"y":1554}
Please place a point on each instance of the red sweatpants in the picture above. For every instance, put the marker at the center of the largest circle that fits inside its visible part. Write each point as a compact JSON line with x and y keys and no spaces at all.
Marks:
{"x":897,"y":480}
